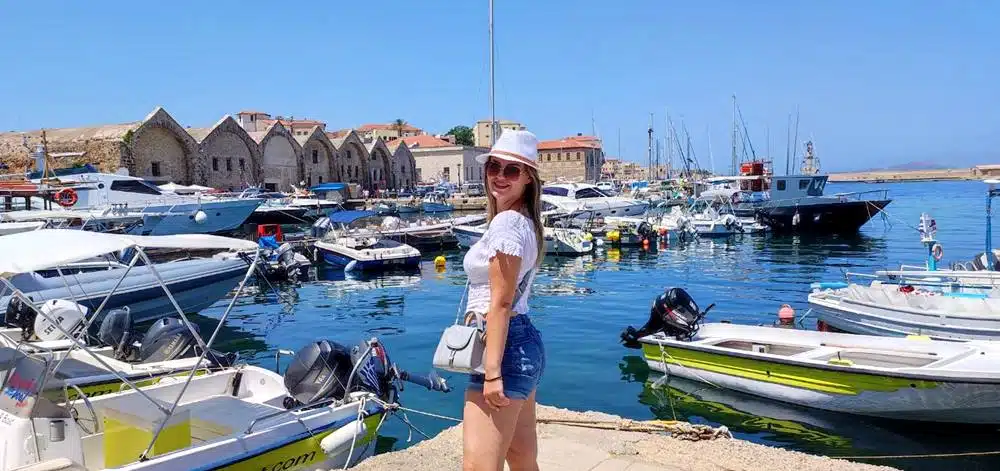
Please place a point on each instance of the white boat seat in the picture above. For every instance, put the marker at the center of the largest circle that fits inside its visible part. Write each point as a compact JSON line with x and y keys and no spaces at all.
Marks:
{"x":223,"y":415}
{"x":73,"y":368}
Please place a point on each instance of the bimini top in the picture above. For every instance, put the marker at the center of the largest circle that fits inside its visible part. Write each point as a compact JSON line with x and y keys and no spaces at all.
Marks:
{"x":328,"y":187}
{"x":50,"y":248}
{"x":347,"y":217}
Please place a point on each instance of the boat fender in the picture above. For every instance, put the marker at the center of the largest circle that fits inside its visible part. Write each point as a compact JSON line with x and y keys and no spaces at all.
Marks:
{"x":200,"y":217}
{"x":937,"y":251}
{"x":796,"y":218}
{"x":786,"y":314}
{"x":66,"y":197}
{"x":351,"y":266}
{"x":439,"y":261}
{"x":339,"y":442}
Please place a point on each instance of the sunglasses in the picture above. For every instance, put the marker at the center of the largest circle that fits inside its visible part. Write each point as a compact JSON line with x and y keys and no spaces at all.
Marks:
{"x":510,"y":171}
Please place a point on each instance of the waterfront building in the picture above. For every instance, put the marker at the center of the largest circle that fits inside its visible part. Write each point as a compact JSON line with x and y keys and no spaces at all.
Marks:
{"x":438,"y":160}
{"x":256,"y":121}
{"x":229,"y":158}
{"x":352,"y":159}
{"x":576,"y":159}
{"x":404,"y":168}
{"x":156,"y":148}
{"x":379,"y":163}
{"x":319,"y":156}
{"x":281,"y":155}
{"x":481,"y":133}
{"x":387,"y":132}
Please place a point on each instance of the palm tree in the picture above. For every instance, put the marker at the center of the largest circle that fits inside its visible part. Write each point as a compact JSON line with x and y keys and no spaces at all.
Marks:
{"x":399,"y":125}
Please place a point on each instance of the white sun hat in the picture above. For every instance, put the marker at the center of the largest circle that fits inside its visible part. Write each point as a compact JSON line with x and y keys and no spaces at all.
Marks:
{"x":514,"y":146}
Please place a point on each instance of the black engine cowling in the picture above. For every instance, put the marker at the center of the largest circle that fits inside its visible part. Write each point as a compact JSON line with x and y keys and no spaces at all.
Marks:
{"x":674,"y":313}
{"x":319,"y":370}
{"x":20,"y":314}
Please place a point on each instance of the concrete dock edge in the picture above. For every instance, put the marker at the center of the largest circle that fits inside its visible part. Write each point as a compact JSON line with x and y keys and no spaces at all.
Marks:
{"x":563,"y":447}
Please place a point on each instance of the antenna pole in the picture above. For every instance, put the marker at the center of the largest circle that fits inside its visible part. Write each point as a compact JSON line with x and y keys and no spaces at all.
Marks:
{"x":735,"y":130}
{"x":493,"y":114}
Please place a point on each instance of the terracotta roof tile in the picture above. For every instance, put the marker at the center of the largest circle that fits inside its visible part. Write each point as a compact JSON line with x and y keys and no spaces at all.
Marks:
{"x":572,"y":142}
{"x":425,"y":141}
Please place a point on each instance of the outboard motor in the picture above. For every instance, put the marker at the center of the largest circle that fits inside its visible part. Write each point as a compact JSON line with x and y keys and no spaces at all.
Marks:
{"x":21,"y":315}
{"x":674,"y":313}
{"x":319,"y":370}
{"x":169,"y":339}
{"x":321,"y":227}
{"x":117,"y":331}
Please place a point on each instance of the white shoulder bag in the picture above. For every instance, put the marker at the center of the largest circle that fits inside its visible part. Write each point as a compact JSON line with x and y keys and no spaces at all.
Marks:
{"x":462,"y":345}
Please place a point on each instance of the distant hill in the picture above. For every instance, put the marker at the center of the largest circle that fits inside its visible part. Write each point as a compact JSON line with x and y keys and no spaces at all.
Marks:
{"x":908,"y":166}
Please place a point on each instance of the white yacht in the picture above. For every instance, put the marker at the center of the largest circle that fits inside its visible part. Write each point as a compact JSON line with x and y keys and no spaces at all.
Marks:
{"x":587,"y":201}
{"x":163,"y":213}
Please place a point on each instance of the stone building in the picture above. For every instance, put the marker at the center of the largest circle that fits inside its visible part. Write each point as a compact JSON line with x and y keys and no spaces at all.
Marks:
{"x":387,"y":132}
{"x":404,"y":167}
{"x":438,"y":160}
{"x":319,"y":157}
{"x":379,"y":164}
{"x":481,"y":134}
{"x":281,"y":157}
{"x":156,"y":148}
{"x":228,"y":157}
{"x":576,"y":158}
{"x":352,"y":158}
{"x":256,"y":121}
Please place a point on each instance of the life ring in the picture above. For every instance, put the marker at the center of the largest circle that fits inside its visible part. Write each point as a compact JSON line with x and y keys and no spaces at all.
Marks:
{"x":937,"y":252}
{"x":66,"y":197}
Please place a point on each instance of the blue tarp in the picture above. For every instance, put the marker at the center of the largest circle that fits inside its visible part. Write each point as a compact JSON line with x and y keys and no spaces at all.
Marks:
{"x":347,"y":217}
{"x":329,"y":187}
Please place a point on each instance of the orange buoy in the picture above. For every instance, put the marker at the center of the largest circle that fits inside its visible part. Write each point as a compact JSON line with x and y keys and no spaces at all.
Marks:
{"x":786,"y":314}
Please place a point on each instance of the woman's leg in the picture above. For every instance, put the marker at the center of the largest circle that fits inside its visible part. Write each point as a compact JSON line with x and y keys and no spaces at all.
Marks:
{"x":486,"y":433}
{"x":523,"y":452}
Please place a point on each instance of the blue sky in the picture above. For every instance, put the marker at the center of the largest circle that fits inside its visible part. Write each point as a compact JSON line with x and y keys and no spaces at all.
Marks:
{"x":877,"y":82}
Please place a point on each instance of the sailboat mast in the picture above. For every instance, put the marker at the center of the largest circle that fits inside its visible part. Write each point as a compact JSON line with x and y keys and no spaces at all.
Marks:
{"x":735,"y":130}
{"x":493,"y":114}
{"x":649,"y":150}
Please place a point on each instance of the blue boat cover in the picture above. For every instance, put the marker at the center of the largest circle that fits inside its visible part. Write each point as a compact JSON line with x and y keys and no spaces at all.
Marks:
{"x":329,"y":187}
{"x":347,"y":217}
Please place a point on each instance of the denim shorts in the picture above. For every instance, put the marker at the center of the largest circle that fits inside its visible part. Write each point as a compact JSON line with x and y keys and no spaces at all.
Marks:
{"x":523,"y":360}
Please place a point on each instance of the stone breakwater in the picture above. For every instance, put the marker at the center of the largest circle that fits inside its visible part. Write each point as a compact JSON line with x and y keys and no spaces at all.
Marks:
{"x":564,"y":447}
{"x":907,"y":175}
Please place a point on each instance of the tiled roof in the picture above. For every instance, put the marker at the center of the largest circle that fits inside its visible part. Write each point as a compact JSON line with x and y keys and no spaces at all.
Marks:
{"x":572,"y":142}
{"x":371,"y":127}
{"x":424,"y":141}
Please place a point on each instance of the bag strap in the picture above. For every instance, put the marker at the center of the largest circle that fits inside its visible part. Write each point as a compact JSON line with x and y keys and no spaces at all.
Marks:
{"x":518,"y":294}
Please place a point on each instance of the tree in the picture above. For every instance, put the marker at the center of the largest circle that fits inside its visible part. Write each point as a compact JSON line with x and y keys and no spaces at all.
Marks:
{"x":463,"y":135}
{"x":399,"y":125}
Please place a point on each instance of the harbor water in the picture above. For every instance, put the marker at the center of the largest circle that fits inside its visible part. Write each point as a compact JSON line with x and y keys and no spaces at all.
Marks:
{"x":581,"y":304}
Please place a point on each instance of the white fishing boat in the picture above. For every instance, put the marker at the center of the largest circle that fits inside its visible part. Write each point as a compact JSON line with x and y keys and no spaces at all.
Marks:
{"x":323,"y":412}
{"x":355,"y":250}
{"x":899,"y":378}
{"x":714,"y":217}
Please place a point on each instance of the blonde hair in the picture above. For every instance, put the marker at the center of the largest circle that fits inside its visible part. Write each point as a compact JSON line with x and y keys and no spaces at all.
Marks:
{"x":531,"y":207}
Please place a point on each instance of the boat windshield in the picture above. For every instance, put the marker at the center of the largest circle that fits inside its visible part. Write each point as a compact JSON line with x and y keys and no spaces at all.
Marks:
{"x":135,"y":186}
{"x":555,"y":191}
{"x":590,"y":192}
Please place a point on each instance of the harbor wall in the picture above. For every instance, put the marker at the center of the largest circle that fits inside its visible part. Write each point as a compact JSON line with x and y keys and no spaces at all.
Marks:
{"x":910,"y":175}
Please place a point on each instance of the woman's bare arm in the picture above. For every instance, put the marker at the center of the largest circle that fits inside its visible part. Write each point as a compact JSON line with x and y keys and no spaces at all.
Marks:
{"x":504,"y":269}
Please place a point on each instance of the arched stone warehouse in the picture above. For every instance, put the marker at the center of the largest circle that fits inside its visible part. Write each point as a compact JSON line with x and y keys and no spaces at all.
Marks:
{"x":379,"y":164}
{"x":352,"y":159}
{"x":160,"y":150}
{"x":280,"y":157}
{"x":229,"y":159}
{"x":404,"y":166}
{"x":318,"y":157}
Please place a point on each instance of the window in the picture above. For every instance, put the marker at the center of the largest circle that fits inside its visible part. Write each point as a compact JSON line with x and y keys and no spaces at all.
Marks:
{"x":588,"y":193}
{"x":559,"y":156}
{"x":134,"y":186}
{"x":803,"y":184}
{"x":215,"y":164}
{"x":155,"y":170}
{"x":348,"y":155}
{"x":229,"y":165}
{"x":578,"y":158}
{"x":243,"y":164}
{"x":781,"y":185}
{"x":447,"y":173}
{"x":554,"y":190}
{"x":342,"y":172}
{"x":309,"y":180}
{"x":315,"y":156}
{"x":321,"y":178}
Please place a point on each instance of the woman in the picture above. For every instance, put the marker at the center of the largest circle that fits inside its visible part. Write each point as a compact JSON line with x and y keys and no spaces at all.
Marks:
{"x":500,"y":404}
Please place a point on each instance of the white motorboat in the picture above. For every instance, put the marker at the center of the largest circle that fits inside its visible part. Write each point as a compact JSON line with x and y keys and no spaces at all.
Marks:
{"x":585,"y":201}
{"x":898,"y":378}
{"x":903,"y":309}
{"x":558,"y":240}
{"x":361,"y":250}
{"x":162,"y":213}
{"x":714,"y":217}
{"x":42,"y":264}
{"x":108,"y":220}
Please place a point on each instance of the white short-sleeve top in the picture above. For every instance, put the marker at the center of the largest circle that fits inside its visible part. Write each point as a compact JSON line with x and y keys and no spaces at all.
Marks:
{"x":512,"y":233}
